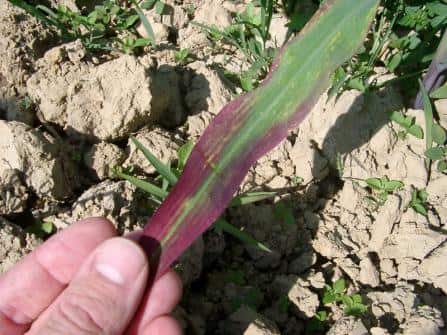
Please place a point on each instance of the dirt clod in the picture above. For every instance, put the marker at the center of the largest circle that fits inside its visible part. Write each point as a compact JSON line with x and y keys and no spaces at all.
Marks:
{"x":106,"y":102}
{"x":16,"y":243}
{"x":39,"y":157}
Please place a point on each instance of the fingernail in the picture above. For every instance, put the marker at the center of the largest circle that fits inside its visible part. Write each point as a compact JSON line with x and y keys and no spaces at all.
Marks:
{"x":120,"y":261}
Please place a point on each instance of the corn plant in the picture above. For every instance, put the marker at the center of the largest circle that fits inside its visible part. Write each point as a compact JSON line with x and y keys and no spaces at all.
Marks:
{"x":168,"y":176}
{"x":252,"y":125}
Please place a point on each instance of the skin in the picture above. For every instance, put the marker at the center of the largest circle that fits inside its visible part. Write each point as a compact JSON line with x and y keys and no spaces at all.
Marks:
{"x":85,"y":280}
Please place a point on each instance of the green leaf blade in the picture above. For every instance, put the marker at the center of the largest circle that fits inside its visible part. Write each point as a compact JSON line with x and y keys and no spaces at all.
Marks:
{"x":163,"y":169}
{"x":241,"y":235}
{"x":144,"y":185}
{"x":251,"y":197}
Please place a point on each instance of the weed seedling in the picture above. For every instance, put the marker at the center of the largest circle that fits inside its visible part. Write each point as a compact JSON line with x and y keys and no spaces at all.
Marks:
{"x":283,"y":304}
{"x":297,"y":181}
{"x":436,"y":135}
{"x":182,"y":56}
{"x":190,"y":10}
{"x":353,"y":304}
{"x":419,"y":201}
{"x":284,"y":213}
{"x":252,"y":298}
{"x":408,"y":124}
{"x":317,"y":323}
{"x":26,"y":104}
{"x":41,"y":229}
{"x":249,"y":32}
{"x":402,"y":40}
{"x":159,"y":6}
{"x":339,"y":165}
{"x":334,"y":293}
{"x":438,"y":154}
{"x":236,"y":277}
{"x":381,"y":188}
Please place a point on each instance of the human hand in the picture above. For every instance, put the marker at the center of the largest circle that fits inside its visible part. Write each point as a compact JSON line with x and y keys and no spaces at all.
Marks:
{"x":85,"y":280}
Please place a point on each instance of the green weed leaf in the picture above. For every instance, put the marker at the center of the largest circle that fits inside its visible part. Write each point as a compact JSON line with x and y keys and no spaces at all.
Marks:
{"x":131,"y":20}
{"x":392,"y":185}
{"x":416,"y":131}
{"x":339,"y":286}
{"x":284,"y":213}
{"x":148,"y":4}
{"x":435,"y":153}
{"x":439,"y":135}
{"x":159,"y":7}
{"x":183,"y":154}
{"x":419,"y":208}
{"x":251,"y":197}
{"x":394,"y":62}
{"x":329,"y":297}
{"x":321,"y":315}
{"x":397,"y":117}
{"x":375,"y":183}
{"x":442,"y":166}
{"x":422,"y":195}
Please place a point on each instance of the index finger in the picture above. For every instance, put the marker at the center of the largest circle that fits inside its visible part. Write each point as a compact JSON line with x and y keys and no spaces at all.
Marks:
{"x":33,"y":284}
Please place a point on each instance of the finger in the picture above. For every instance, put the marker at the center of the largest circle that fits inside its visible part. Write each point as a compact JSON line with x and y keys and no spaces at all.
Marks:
{"x":134,"y":235}
{"x":165,"y":325}
{"x":103,"y":296}
{"x":30,"y":286}
{"x":160,"y":300}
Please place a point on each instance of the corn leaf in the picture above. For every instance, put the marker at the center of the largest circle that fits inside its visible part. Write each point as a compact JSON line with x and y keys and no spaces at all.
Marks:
{"x":253,"y":124}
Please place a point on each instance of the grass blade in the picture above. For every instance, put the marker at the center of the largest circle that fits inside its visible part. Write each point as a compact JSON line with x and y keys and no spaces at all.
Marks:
{"x":144,"y":185}
{"x":241,"y":235}
{"x":163,"y":169}
{"x":146,"y":24}
{"x":251,"y":197}
{"x":428,"y":112}
{"x":38,"y":14}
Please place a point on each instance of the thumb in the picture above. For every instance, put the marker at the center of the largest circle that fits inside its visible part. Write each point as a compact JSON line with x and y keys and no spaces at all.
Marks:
{"x":104,"y":295}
